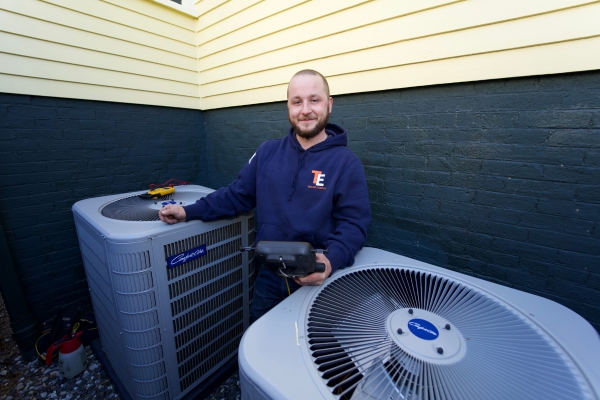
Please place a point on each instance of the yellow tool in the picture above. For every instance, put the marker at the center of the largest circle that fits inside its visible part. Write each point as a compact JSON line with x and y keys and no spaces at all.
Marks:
{"x":158,"y":192}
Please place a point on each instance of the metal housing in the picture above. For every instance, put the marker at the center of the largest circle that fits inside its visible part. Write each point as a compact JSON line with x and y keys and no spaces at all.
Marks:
{"x":391,"y":327}
{"x":166,"y":328}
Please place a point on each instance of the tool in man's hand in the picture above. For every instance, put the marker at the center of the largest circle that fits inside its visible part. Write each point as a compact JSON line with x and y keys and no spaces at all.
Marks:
{"x":288,"y":259}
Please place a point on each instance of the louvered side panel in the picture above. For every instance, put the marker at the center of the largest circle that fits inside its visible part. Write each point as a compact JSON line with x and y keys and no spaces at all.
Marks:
{"x":207,"y":296}
{"x":135,"y":293}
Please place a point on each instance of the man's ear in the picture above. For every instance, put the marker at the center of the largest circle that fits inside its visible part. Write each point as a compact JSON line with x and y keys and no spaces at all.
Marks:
{"x":330,"y":104}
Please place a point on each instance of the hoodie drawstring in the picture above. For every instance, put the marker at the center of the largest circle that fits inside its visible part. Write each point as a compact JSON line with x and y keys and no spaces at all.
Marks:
{"x":294,"y":181}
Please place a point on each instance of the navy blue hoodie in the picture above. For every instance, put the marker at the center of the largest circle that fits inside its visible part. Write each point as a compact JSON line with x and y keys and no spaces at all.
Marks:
{"x":318,"y":195}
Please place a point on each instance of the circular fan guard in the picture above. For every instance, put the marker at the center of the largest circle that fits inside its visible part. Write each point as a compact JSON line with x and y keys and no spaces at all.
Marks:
{"x":506,"y":356}
{"x":134,"y":208}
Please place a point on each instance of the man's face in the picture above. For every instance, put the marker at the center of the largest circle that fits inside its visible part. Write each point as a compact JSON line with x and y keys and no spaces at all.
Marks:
{"x":308,"y":105}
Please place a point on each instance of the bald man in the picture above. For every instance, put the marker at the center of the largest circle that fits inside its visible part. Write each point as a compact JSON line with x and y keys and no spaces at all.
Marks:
{"x":306,"y":187}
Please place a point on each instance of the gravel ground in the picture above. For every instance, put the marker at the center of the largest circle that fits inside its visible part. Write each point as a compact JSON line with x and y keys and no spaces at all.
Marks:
{"x":31,"y":380}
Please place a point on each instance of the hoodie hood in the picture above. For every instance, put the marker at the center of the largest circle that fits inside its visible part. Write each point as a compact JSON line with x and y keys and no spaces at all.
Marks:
{"x":336,"y":136}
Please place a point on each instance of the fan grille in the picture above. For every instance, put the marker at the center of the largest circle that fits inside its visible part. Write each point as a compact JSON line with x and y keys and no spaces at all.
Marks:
{"x":357,"y":356}
{"x":134,"y":208}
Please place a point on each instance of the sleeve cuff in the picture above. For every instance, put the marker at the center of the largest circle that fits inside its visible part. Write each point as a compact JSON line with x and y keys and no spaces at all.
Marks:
{"x":336,"y":258}
{"x":193,"y":211}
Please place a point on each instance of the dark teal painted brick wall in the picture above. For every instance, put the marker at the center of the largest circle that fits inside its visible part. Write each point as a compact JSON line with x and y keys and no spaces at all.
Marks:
{"x":55,"y":152}
{"x":234,"y":134}
{"x":496,"y":179}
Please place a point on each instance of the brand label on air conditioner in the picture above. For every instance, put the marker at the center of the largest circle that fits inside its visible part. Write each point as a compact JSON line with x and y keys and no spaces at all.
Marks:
{"x":186,"y":256}
{"x":423,"y":329}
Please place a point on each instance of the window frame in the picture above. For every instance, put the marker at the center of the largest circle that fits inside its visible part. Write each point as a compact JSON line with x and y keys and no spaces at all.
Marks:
{"x":186,"y":6}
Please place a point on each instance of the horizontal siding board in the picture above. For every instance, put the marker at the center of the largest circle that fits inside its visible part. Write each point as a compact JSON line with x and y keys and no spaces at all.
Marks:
{"x":157,"y":11}
{"x":61,"y":16}
{"x":34,"y":48}
{"x":276,"y":32}
{"x":205,"y":6}
{"x":223,"y":12}
{"x":129,"y":18}
{"x":538,"y":60}
{"x":36,"y":68}
{"x":53,"y":33}
{"x":248,"y":49}
{"x":72,"y":90}
{"x":255,"y":96}
{"x":413,"y":26}
{"x":515,"y":33}
{"x":67,"y":44}
{"x":247,"y":17}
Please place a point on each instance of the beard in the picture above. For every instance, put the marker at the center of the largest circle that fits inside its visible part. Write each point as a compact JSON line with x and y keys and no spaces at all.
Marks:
{"x":310,"y":133}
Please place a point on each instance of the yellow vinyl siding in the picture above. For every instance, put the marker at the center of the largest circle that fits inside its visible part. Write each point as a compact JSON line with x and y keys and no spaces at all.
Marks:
{"x":259,"y":16}
{"x":17,"y":65}
{"x":50,"y":32}
{"x":164,"y":14}
{"x":54,"y":88}
{"x":36,"y":49}
{"x":355,"y":54}
{"x":371,"y":45}
{"x":205,"y":6}
{"x":224,"y":12}
{"x":271,"y":33}
{"x":101,"y":11}
{"x":321,"y":38}
{"x":42,"y":10}
{"x":538,"y":60}
{"x":239,"y":52}
{"x":89,"y":49}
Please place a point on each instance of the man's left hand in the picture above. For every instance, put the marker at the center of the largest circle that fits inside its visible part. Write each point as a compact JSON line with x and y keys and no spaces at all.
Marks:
{"x":316,"y":278}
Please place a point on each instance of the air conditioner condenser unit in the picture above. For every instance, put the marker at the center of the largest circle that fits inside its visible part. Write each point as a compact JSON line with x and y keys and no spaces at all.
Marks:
{"x":171,"y":301}
{"x":394,"y":328}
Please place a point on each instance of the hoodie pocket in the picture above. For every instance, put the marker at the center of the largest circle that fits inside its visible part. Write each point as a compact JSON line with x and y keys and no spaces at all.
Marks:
{"x":282,"y":233}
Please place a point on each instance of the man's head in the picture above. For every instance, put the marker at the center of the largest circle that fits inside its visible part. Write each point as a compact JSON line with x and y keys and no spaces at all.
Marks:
{"x":308,"y":103}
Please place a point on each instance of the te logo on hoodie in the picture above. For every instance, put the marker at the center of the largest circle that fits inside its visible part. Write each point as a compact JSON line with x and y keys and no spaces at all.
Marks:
{"x":318,"y":180}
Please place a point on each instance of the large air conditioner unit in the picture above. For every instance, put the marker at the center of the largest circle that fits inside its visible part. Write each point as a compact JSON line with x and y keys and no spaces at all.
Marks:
{"x":395,"y":328}
{"x":171,"y":301}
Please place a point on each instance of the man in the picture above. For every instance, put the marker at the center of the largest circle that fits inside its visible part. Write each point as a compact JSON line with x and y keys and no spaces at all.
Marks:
{"x":306,"y":187}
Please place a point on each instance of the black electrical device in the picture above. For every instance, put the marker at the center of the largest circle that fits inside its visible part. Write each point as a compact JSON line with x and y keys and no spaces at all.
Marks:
{"x":288,"y":259}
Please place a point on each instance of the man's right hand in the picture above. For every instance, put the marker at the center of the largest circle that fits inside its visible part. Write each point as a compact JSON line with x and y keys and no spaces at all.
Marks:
{"x":172,"y":214}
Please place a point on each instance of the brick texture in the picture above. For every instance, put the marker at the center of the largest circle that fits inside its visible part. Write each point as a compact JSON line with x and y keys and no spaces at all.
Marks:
{"x":55,"y":152}
{"x":233,"y":135}
{"x":495,"y":179}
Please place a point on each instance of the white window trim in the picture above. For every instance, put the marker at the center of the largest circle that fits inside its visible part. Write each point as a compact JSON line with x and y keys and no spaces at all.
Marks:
{"x":186,"y":6}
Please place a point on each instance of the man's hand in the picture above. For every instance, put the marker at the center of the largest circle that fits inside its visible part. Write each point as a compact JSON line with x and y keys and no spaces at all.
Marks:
{"x":172,"y":214}
{"x":316,"y":278}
